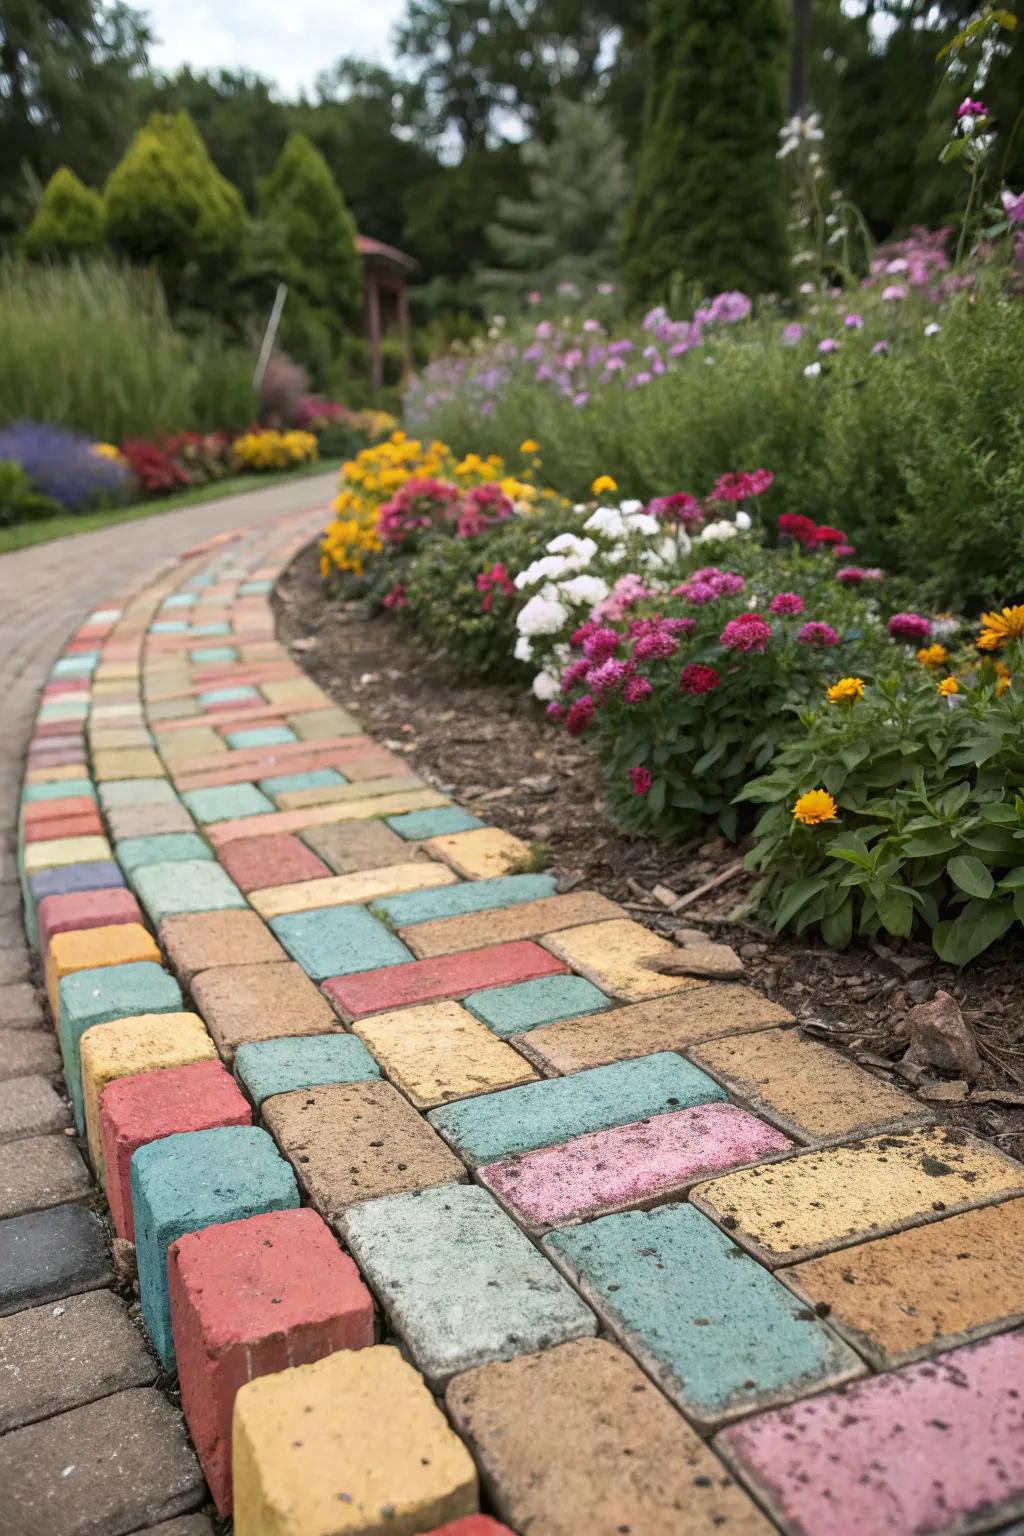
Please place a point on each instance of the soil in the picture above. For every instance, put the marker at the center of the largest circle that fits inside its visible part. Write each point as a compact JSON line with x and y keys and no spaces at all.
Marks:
{"x":491,"y":748}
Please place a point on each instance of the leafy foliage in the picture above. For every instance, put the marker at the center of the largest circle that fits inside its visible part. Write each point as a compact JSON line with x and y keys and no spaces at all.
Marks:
{"x":19,"y":503}
{"x":68,"y":220}
{"x":928,"y":830}
{"x":303,"y":200}
{"x":708,"y":203}
{"x":568,"y":228}
{"x":166,"y":202}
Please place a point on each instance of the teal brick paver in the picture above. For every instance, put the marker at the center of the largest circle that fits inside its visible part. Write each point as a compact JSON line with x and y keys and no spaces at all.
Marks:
{"x":266,"y":1067}
{"x":210,"y":629}
{"x":66,"y":788}
{"x":168,"y":627}
{"x":528,"y":1004}
{"x":719,"y":1334}
{"x":213,"y":653}
{"x":253,"y":588}
{"x":131,"y":792}
{"x":265,"y":736}
{"x":244,"y":693}
{"x":110,"y":992}
{"x":135,"y":853}
{"x":76,"y":666}
{"x":542,"y":1114}
{"x":459,"y":1280}
{"x":194,"y":1180}
{"x":179,"y":600}
{"x":188,"y":885}
{"x":227,"y":803}
{"x":416,"y":825}
{"x":316,"y":778}
{"x":338,"y":941}
{"x":458,"y":900}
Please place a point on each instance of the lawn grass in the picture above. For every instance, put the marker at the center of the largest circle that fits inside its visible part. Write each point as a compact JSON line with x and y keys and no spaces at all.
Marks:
{"x":22,"y":535}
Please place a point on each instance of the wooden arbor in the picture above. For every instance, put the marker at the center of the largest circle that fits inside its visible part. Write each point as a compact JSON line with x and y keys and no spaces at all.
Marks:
{"x":385,"y":301}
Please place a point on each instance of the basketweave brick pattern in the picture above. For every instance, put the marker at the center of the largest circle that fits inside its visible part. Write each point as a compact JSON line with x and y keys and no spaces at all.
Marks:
{"x":285,"y":967}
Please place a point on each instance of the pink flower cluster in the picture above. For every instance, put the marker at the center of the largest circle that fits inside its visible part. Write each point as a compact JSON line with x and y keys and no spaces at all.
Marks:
{"x":741,"y":486}
{"x":748,"y":632}
{"x":681,"y":508}
{"x":492,"y":582}
{"x":396,"y":598}
{"x":787,"y":604}
{"x":910,"y":626}
{"x":816,"y":633}
{"x":417,"y":505}
{"x":482,"y":507}
{"x":627,"y":591}
{"x":708,"y":583}
{"x":811,"y":535}
{"x":697,"y":679}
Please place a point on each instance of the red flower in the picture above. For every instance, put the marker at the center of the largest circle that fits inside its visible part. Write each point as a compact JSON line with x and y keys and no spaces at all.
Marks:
{"x":802,"y":530}
{"x":698,"y":679}
{"x":396,"y":597}
{"x":679,"y":508}
{"x":641,"y":780}
{"x":580,"y":715}
{"x":741,"y":486}
{"x":748,"y":632}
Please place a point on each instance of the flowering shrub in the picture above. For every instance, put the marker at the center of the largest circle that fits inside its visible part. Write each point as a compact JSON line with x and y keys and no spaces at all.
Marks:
{"x":896,"y":809}
{"x":268,"y":450}
{"x":690,"y":691}
{"x":155,"y":465}
{"x":63,"y":466}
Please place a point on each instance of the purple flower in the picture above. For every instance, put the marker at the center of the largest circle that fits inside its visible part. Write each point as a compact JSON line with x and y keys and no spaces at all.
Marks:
{"x":815,"y":633}
{"x":854,"y":322}
{"x":580,"y":399}
{"x":792,"y":334}
{"x":828,"y":345}
{"x":894,"y":293}
{"x":969,"y":108}
{"x":61,"y":463}
{"x":910,"y":626}
{"x":880,"y":346}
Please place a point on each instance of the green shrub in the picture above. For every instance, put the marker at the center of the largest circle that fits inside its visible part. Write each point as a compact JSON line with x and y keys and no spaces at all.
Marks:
{"x":917,"y":453}
{"x":459,"y":595}
{"x":167,"y":203}
{"x":68,"y":220}
{"x":224,"y":398}
{"x":19,"y":503}
{"x":899,"y":813}
{"x":708,"y":205}
{"x":302,"y":200}
{"x":90,"y":345}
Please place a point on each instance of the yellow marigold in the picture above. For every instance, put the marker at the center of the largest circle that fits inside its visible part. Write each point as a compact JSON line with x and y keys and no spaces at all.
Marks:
{"x":948,"y":686}
{"x":998,"y":628}
{"x":816,"y":806}
{"x":847,"y":691}
{"x":603,"y":483}
{"x":1005,"y":678}
{"x":933,"y":656}
{"x":109,"y":451}
{"x":529,"y":446}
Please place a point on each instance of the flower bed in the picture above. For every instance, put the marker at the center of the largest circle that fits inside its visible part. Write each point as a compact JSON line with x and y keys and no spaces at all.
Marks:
{"x":713,"y":673}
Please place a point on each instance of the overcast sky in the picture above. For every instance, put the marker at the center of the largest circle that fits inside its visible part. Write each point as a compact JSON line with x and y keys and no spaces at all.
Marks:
{"x":288,"y":41}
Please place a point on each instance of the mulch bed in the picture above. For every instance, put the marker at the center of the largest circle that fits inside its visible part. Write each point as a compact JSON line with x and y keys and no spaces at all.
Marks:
{"x":493,"y":750}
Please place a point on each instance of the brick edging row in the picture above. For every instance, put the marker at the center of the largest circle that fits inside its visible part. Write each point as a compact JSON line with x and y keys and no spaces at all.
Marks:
{"x":301,"y":997}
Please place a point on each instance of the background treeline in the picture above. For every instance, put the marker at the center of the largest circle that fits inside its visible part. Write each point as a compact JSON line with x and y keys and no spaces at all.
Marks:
{"x":424,"y":156}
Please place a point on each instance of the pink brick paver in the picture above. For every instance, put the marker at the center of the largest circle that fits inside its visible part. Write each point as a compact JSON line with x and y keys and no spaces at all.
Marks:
{"x":449,"y":976}
{"x":629,"y":1165}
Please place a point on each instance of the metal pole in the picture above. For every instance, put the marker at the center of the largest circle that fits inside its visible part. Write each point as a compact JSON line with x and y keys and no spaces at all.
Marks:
{"x":270,"y":335}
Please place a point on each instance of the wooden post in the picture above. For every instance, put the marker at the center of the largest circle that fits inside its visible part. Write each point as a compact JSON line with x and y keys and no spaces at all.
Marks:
{"x":373,"y":326}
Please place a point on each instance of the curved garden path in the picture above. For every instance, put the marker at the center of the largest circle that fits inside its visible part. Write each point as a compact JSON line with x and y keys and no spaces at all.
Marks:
{"x":653,"y":1263}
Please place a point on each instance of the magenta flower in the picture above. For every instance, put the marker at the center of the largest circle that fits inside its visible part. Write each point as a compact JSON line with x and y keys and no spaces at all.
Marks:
{"x":641,"y":780}
{"x":608,"y":676}
{"x":854,"y":322}
{"x":601,"y":644}
{"x":680,"y":507}
{"x":828,"y":345}
{"x":555,"y":711}
{"x":816,"y":633}
{"x":894,"y":293}
{"x":910,"y":626}
{"x":792,"y":334}
{"x":850,"y":575}
{"x":574,"y":673}
{"x":580,"y":715}
{"x":880,"y":346}
{"x":787,"y":603}
{"x":969,"y":108}
{"x":698,"y":679}
{"x":748,"y":632}
{"x":636,"y":689}
{"x":741,"y":485}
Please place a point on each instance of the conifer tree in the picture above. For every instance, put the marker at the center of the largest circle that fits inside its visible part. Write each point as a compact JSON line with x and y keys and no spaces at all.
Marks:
{"x":302,"y":200}
{"x":68,"y":220}
{"x":708,"y":205}
{"x":569,"y":227}
{"x":166,"y":202}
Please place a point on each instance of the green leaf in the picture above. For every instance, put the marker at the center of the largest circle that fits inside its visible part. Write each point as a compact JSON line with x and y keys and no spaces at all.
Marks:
{"x":1013,"y":880}
{"x":971,"y":876}
{"x":979,"y":925}
{"x":922,"y":844}
{"x":798,"y":896}
{"x":896,"y":911}
{"x":837,"y":927}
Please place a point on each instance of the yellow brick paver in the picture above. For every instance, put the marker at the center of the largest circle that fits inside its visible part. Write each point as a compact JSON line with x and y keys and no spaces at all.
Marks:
{"x":437,"y":1052}
{"x":364,"y":886}
{"x":820,"y":1200}
{"x":87,"y":949}
{"x":351,"y":1446}
{"x":482,"y":854}
{"x":611,"y":955}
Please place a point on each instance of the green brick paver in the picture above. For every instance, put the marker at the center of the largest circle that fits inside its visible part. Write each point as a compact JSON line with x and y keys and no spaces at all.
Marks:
{"x":528,"y":1004}
{"x":338,"y":941}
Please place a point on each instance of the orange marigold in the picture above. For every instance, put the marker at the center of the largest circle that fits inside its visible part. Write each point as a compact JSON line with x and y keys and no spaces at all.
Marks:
{"x":998,"y":628}
{"x":816,"y":806}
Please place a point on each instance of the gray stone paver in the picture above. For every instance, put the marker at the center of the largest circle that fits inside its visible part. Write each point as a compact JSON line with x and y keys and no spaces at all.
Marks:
{"x":39,"y":1172}
{"x":59,"y":1356}
{"x":101,"y":1470}
{"x":29,"y":1106}
{"x":48,"y":1255}
{"x":28,"y":1052}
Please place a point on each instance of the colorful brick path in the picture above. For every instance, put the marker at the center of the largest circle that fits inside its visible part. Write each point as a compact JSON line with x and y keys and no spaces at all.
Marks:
{"x":442,"y":1199}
